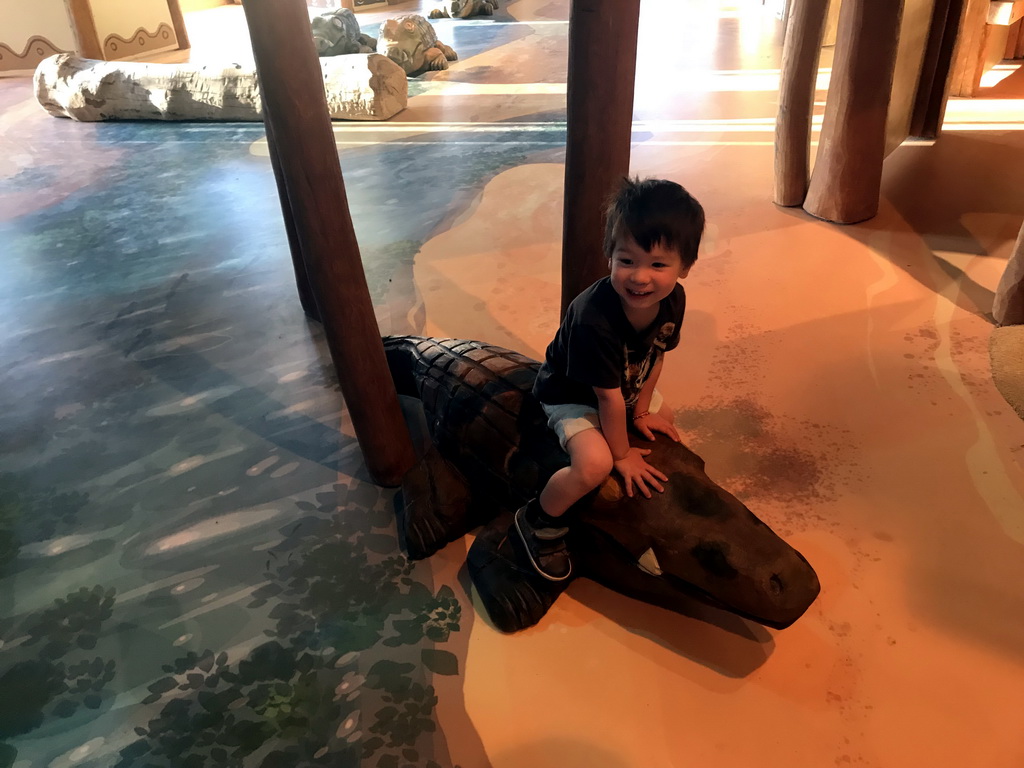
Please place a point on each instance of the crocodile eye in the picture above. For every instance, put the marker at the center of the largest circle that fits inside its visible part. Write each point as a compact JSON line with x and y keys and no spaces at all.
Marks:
{"x":713,"y":558}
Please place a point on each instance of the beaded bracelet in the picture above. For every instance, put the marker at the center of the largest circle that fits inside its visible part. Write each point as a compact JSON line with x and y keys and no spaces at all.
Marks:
{"x":639,"y":416}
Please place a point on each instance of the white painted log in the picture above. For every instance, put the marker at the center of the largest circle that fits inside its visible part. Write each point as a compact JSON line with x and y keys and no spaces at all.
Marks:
{"x":358,"y":87}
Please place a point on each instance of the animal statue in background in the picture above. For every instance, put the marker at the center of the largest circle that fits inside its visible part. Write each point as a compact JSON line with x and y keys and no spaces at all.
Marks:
{"x":462,"y":9}
{"x":410,"y":42}
{"x":492,"y":449}
{"x":337,"y":33}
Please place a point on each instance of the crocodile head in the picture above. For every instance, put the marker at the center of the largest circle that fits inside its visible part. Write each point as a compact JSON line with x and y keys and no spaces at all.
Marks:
{"x":698,"y":539}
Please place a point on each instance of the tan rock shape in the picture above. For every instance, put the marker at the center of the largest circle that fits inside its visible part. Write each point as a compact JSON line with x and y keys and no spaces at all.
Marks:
{"x":358,"y":87}
{"x":1006,"y":354}
{"x":1008,"y":307}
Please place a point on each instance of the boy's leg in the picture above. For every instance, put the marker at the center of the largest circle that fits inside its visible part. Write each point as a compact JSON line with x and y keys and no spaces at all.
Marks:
{"x":590,"y":463}
{"x":538,"y":524}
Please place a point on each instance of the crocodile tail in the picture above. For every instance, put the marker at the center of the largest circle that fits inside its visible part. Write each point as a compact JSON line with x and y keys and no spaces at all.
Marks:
{"x":404,"y":362}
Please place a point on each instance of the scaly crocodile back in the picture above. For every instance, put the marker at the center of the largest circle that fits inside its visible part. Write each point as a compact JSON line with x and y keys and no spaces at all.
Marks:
{"x":480,"y":411}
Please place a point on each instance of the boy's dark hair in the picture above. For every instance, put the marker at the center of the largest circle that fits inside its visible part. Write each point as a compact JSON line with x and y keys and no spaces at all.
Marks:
{"x":655,"y":211}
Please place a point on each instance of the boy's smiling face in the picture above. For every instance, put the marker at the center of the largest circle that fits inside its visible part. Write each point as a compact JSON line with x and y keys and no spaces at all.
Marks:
{"x":643,"y":278}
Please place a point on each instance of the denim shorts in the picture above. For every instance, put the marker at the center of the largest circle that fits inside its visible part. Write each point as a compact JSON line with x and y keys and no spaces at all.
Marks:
{"x":569,"y":419}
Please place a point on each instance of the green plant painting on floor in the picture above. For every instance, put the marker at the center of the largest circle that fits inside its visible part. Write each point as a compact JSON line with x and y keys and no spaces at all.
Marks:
{"x":55,"y":675}
{"x":341,"y":676}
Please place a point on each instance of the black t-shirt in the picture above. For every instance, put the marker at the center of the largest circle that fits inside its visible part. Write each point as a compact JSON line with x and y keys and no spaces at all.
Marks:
{"x":596,"y":346}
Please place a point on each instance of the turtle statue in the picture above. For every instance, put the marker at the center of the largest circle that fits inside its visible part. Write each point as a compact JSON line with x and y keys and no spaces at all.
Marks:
{"x":337,"y":32}
{"x":410,"y":42}
{"x":492,"y":450}
{"x":462,"y":9}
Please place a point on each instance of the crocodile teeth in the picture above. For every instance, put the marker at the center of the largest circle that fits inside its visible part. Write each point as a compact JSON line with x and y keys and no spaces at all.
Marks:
{"x":649,"y":563}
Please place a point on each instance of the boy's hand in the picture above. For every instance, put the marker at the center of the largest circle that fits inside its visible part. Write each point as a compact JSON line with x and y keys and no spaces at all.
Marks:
{"x":636,"y":471}
{"x":651,"y":423}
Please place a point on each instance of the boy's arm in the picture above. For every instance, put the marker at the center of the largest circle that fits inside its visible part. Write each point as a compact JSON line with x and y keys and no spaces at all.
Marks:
{"x":643,"y":400}
{"x":648,"y":423}
{"x":629,"y":462}
{"x":612,"y":409}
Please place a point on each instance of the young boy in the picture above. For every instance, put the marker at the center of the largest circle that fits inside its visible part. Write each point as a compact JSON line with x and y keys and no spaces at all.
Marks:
{"x":600,"y":370}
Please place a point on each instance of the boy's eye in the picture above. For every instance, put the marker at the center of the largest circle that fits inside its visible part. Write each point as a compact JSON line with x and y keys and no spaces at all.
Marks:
{"x":659,"y":265}
{"x":623,"y":260}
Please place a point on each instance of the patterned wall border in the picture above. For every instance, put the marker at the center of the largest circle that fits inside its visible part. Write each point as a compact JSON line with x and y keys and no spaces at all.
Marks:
{"x":36,"y":49}
{"x":116,"y":47}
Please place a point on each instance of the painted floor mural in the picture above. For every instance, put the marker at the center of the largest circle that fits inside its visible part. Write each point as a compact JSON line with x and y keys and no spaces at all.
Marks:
{"x":196,"y":570}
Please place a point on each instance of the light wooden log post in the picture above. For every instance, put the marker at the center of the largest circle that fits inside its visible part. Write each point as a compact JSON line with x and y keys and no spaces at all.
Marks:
{"x":293,"y":93}
{"x":599,"y":115}
{"x":1015,"y":41}
{"x":969,"y":64}
{"x":84,"y":24}
{"x":847,"y":175}
{"x":831,"y":23}
{"x":801,"y":51}
{"x":1008,"y":307}
{"x":178,"y":21}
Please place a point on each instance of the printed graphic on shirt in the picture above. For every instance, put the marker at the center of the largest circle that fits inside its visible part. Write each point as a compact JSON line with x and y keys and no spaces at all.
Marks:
{"x":639,"y":367}
{"x":664,"y":334}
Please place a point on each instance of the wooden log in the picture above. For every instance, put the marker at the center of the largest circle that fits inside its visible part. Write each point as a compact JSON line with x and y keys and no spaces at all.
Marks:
{"x":801,"y":51}
{"x":84,"y":25}
{"x":307,"y":300}
{"x":847,"y":173}
{"x":178,"y":21}
{"x":1008,"y":307}
{"x":936,"y":70}
{"x":358,"y":87}
{"x":972,"y":40}
{"x":290,"y":79}
{"x":1015,"y":41}
{"x":599,"y":115}
{"x":831,"y":23}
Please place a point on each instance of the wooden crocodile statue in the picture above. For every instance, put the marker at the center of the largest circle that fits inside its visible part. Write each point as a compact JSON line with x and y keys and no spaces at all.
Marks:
{"x":492,"y":450}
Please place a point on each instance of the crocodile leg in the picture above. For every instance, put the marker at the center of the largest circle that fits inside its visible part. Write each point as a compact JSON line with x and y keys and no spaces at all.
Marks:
{"x":435,"y":59}
{"x":513,"y":594}
{"x":435,"y":506}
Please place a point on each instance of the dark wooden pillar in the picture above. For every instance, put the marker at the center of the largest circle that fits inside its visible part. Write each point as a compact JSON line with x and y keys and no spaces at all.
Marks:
{"x":292,"y":88}
{"x":599,"y":112}
{"x":306,"y":298}
{"x":933,"y":87}
{"x":801,"y":51}
{"x":847,"y":175}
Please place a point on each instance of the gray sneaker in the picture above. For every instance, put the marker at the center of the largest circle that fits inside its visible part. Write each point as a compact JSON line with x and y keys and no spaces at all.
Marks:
{"x":545,"y":547}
